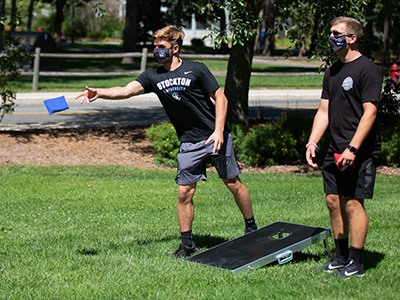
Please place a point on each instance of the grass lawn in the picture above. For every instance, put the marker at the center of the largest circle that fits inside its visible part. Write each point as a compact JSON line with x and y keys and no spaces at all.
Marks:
{"x":108,"y":232}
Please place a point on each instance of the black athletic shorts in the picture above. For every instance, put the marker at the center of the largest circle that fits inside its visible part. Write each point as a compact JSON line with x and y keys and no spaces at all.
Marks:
{"x":349,"y":183}
{"x":192,"y":161}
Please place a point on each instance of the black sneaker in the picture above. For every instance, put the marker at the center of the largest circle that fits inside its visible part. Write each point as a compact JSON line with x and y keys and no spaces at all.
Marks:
{"x":185,"y":251}
{"x":350,"y":269}
{"x":249,"y":229}
{"x":331,"y":265}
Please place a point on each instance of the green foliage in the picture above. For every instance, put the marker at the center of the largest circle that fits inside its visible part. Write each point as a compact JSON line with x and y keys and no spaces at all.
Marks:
{"x":269,"y":144}
{"x":314,"y":18}
{"x":390,"y":154}
{"x":389,"y":106}
{"x":165,"y":142}
{"x":281,"y":141}
{"x":14,"y":55}
{"x":389,"y":119}
{"x":243,"y":17}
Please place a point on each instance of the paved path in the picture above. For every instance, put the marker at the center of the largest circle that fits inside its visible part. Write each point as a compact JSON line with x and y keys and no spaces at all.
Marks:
{"x":140,"y":110}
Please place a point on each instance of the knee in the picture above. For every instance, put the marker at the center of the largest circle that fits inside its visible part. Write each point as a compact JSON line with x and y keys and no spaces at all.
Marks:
{"x":332,"y":201}
{"x":185,"y":193}
{"x":234,"y":185}
{"x":354,"y":206}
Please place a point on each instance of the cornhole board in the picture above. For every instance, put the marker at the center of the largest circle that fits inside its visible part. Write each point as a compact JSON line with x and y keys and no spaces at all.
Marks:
{"x":275,"y":242}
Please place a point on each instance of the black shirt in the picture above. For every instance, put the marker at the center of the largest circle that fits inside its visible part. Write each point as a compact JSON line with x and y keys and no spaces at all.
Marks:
{"x":184,"y":94}
{"x":347,"y":86}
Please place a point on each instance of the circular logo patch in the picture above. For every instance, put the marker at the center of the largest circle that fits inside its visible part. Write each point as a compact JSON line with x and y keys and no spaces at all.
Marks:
{"x":347,"y":83}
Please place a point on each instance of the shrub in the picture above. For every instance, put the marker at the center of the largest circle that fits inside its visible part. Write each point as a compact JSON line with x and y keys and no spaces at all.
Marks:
{"x":390,"y":154}
{"x":281,"y":141}
{"x":269,"y":144}
{"x":389,"y":106}
{"x":165,"y":142}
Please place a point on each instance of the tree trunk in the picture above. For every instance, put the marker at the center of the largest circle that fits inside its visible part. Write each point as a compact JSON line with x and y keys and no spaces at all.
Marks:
{"x":368,"y":38}
{"x":238,"y":80}
{"x":386,"y":39}
{"x":2,"y":13}
{"x":222,"y":24}
{"x":59,"y":21}
{"x":72,"y":22}
{"x":13,"y":15}
{"x":314,"y":35}
{"x":130,"y":29}
{"x":30,"y":15}
{"x":269,"y":41}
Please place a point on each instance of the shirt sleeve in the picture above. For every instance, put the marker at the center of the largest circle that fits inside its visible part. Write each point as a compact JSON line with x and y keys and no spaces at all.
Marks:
{"x":144,"y":80}
{"x":372,"y":85}
{"x":207,"y":79}
{"x":325,"y":85}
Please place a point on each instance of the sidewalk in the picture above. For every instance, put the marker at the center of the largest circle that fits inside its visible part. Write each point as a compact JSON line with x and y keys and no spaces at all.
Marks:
{"x":30,"y":112}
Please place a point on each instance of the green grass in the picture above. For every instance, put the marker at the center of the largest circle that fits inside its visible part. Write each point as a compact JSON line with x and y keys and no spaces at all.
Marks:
{"x":108,"y":232}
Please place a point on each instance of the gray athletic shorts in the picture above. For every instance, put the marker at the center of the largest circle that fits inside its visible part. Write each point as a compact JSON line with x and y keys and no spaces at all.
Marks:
{"x":350,"y":183}
{"x":192,"y":161}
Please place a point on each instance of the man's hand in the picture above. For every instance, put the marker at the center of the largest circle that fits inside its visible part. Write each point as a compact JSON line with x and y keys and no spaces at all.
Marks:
{"x":347,"y":158}
{"x":218,"y":138}
{"x":310,"y":155}
{"x":89,"y":95}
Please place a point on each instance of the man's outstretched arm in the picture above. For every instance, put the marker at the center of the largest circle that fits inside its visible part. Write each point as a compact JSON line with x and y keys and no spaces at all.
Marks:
{"x":114,"y":93}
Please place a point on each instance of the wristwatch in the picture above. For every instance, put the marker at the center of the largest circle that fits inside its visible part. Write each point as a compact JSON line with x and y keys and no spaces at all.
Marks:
{"x":352,"y":149}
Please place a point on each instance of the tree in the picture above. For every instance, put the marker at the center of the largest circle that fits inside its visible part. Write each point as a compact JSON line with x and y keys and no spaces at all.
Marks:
{"x":60,"y":4}
{"x":269,"y":38}
{"x":241,"y":30}
{"x":2,"y":14}
{"x":13,"y":56}
{"x":130,"y":26}
{"x":315,"y":18}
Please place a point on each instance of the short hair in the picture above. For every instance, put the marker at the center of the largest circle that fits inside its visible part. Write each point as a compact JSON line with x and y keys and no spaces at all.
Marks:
{"x":353,"y":26}
{"x":172,"y":34}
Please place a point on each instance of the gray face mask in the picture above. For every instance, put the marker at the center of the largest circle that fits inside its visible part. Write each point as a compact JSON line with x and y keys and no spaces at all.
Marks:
{"x":337,"y":43}
{"x":161,"y":54}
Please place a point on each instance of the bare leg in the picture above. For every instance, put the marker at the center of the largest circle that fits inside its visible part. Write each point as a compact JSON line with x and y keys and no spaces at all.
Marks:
{"x":338,"y":216}
{"x":241,"y":195}
{"x":358,"y":222}
{"x":185,"y":206}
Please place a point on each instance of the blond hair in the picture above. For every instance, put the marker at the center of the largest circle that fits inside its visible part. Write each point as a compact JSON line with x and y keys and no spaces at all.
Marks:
{"x":353,"y":26}
{"x":172,"y":34}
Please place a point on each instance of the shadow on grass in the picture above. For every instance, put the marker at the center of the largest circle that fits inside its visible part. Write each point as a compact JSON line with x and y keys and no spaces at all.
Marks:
{"x":208,"y":241}
{"x":371,"y":259}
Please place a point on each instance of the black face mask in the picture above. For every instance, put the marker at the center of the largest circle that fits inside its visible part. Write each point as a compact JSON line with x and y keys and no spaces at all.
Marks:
{"x":161,"y":54}
{"x":337,"y":43}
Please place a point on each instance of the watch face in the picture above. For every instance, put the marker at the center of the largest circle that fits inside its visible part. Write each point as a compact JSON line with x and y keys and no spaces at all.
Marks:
{"x":352,"y":149}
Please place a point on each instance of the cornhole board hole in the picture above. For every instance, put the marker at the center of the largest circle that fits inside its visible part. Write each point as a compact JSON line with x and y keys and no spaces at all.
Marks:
{"x":275,"y":242}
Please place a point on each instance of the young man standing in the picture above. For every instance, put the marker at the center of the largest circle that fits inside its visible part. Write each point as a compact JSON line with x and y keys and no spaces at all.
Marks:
{"x":350,"y":96}
{"x":185,"y":90}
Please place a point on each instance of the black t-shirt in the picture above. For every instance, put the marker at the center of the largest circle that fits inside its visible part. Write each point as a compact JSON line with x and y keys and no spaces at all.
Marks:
{"x":347,"y":86}
{"x":184,"y":94}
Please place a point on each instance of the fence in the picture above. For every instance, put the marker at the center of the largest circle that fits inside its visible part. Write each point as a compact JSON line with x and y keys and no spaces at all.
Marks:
{"x":143,"y":55}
